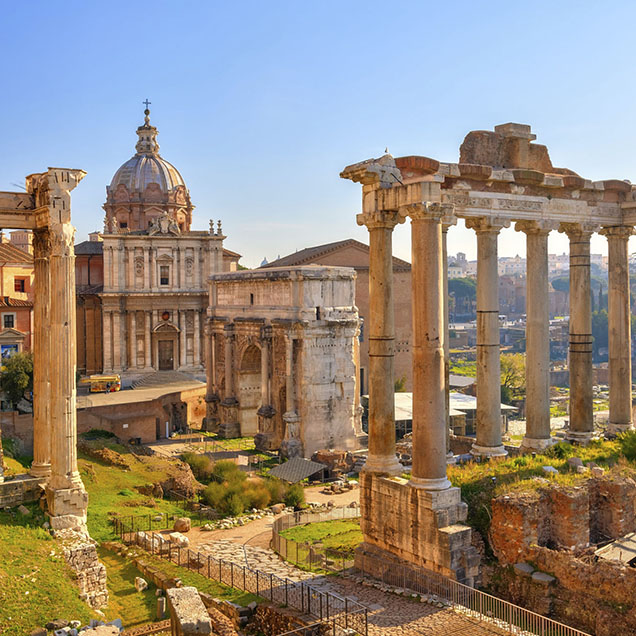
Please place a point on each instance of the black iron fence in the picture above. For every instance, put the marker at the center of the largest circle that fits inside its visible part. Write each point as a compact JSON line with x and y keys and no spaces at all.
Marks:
{"x":341,"y":611}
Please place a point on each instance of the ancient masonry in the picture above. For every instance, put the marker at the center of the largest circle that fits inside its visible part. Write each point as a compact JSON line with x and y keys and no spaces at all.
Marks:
{"x":45,"y":208}
{"x":501,"y":177}
{"x":283,"y":344}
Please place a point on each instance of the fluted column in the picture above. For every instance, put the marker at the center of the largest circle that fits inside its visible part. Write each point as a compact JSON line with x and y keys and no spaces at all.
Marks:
{"x":147,"y":340}
{"x":537,"y":437}
{"x":429,"y":383}
{"x":64,"y":472}
{"x":116,"y":341}
{"x":132,"y":339}
{"x":447,"y":222}
{"x":488,"y":442}
{"x":107,"y":341}
{"x":581,"y":427}
{"x":182,"y":338}
{"x":197,"y":339}
{"x":210,"y":364}
{"x":381,"y":458}
{"x":41,"y":466}
{"x":619,"y":330}
{"x":229,"y":355}
{"x":265,"y":345}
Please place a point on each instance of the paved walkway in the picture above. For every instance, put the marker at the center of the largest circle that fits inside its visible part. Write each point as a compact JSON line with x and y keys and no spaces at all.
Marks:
{"x":390,"y":614}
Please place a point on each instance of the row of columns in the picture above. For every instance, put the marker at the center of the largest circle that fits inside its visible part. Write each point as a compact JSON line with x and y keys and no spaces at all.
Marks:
{"x":120,"y":267}
{"x":120,"y":340}
{"x":429,"y":298}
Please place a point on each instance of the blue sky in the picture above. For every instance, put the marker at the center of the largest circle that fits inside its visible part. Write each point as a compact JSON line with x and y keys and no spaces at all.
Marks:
{"x":261,"y":104}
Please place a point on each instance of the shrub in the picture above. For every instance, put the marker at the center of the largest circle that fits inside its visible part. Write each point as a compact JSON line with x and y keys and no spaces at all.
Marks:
{"x":257,"y":496}
{"x":213,"y":495}
{"x":227,"y":470}
{"x":234,"y":505}
{"x":97,"y":433}
{"x":201,"y":465}
{"x":295,"y":496}
{"x":627,"y":441}
{"x":276,"y":489}
{"x":562,"y":450}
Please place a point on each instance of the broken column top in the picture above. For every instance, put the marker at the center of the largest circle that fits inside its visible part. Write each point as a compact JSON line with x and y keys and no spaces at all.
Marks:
{"x":188,"y":611}
{"x":521,"y":131}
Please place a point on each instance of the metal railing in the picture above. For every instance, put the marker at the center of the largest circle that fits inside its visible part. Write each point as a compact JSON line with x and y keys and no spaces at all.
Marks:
{"x":311,"y":556}
{"x":321,"y":628}
{"x":344,"y":612}
{"x":479,"y":605}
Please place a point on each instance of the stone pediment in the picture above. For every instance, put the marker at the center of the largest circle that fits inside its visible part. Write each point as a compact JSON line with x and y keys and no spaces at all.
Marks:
{"x":11,"y":335}
{"x":164,"y":327}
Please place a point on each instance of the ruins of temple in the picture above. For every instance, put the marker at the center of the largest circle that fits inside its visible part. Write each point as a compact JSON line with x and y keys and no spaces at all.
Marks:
{"x":283,"y":346}
{"x":502,"y":177}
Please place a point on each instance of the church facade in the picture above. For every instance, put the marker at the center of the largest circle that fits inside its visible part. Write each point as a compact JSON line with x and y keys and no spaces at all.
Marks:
{"x":142,"y":283}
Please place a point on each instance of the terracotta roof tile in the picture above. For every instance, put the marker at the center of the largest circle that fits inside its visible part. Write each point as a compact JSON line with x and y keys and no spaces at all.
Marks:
{"x":11,"y":254}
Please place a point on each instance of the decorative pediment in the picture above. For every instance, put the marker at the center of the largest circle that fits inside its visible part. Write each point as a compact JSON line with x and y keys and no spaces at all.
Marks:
{"x":11,"y":335}
{"x":164,"y":224}
{"x":166,"y":327}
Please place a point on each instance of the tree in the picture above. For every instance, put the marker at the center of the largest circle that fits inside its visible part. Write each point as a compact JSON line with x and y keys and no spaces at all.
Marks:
{"x":16,"y":377}
{"x":562,"y":283}
{"x":399,"y":386}
{"x":599,"y":333}
{"x":513,"y":375}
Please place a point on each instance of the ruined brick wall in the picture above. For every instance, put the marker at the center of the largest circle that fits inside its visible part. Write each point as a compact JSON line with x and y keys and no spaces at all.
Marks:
{"x":569,"y":511}
{"x":613,"y":508}
{"x":19,"y":490}
{"x":81,"y":555}
{"x":18,"y":426}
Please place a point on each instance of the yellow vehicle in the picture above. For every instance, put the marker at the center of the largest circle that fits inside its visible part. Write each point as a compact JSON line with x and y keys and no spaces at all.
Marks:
{"x":103,"y":383}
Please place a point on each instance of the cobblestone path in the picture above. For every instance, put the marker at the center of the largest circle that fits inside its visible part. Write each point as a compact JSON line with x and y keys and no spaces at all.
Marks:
{"x":389,"y":613}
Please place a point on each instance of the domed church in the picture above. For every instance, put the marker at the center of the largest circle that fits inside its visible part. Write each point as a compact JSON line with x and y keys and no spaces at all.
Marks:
{"x":142,"y":282}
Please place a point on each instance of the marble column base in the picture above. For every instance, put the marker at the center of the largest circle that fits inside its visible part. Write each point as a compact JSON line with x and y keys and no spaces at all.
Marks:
{"x":533,"y":444}
{"x":488,"y":451}
{"x":580,"y":437}
{"x":42,"y":471}
{"x":615,"y":427}
{"x":430,"y":484}
{"x":383,"y":465}
{"x":67,"y":507}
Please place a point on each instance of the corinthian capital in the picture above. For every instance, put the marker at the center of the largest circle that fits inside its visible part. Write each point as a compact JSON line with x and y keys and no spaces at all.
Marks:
{"x":433,"y":211}
{"x":386,"y":219}
{"x":62,"y":237}
{"x":618,"y":231}
{"x":535,"y":227}
{"x":487,"y":224}
{"x":578,"y":230}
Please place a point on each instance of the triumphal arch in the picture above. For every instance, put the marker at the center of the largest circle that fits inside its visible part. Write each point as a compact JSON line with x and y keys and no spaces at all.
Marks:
{"x":45,"y":208}
{"x":501,"y":178}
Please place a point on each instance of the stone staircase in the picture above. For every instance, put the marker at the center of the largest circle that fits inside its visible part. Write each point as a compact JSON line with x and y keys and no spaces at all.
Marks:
{"x":163,"y":378}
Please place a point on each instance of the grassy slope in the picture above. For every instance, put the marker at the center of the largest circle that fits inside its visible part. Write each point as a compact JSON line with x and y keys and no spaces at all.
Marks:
{"x":339,"y":534}
{"x":35,"y":582}
{"x":112,"y":491}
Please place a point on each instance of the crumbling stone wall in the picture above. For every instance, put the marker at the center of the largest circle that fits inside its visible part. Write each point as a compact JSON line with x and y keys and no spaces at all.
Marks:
{"x":81,"y":555}
{"x":562,"y":517}
{"x":187,"y":612}
{"x":19,"y":490}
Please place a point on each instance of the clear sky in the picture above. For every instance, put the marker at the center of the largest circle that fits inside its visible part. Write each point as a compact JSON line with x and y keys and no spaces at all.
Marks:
{"x":261,"y":104}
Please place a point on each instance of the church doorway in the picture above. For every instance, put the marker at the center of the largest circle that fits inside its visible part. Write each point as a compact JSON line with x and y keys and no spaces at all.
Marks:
{"x":166,"y":355}
{"x":249,"y":390}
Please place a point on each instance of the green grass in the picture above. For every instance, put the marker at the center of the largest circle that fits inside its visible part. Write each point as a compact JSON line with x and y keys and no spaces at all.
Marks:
{"x":14,"y":467}
{"x":343,"y":535}
{"x":124,"y":601}
{"x":463,"y":367}
{"x":202,"y":583}
{"x":36,"y":585}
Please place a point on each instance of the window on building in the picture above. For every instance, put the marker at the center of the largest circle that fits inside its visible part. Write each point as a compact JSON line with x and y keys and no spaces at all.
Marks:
{"x":164,"y":274}
{"x":19,"y":285}
{"x":123,"y":224}
{"x":8,"y":321}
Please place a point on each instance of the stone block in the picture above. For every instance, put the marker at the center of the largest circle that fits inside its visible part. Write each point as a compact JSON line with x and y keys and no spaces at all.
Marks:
{"x":179,"y":539}
{"x":573,"y":462}
{"x":161,"y":608}
{"x":188,"y":612}
{"x":140,"y":584}
{"x":40,"y":631}
{"x":597,"y":471}
{"x":58,"y":623}
{"x":542,"y":578}
{"x":183,"y":524}
{"x":23,"y":510}
{"x":550,"y":470}
{"x":525,"y":569}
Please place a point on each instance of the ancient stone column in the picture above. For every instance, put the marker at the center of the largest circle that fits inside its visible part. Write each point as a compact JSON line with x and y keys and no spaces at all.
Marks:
{"x":619,"y":328}
{"x":291,"y":446}
{"x":197,"y":339}
{"x":381,"y":458}
{"x":182,"y":338}
{"x":108,"y":341}
{"x":229,"y":426}
{"x":266,"y":439}
{"x":41,"y":466}
{"x":117,"y":362}
{"x":537,"y":437}
{"x":211,"y":390}
{"x":429,"y":382}
{"x":132,"y":339}
{"x":447,"y":222}
{"x":488,"y":442}
{"x":265,"y":344}
{"x":581,"y":427}
{"x":147,"y":340}
{"x":146,"y":268}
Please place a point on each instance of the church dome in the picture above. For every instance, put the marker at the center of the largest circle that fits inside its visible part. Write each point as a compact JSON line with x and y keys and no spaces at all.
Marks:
{"x":147,"y":165}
